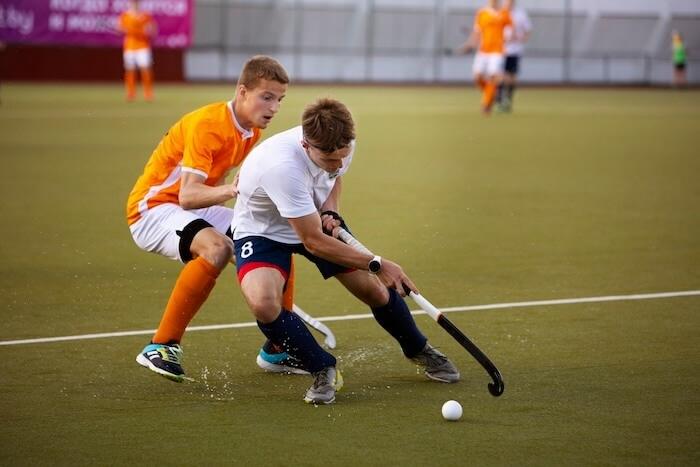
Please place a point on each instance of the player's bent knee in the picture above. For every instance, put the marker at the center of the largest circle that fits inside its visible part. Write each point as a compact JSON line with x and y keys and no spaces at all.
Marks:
{"x":378,"y":296}
{"x":266,"y":308}
{"x":371,"y":291}
{"x":262,"y":289}
{"x":213,"y":246}
{"x":218,"y":251}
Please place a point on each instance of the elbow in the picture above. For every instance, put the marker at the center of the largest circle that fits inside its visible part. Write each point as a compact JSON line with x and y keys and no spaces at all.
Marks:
{"x":312,"y":244}
{"x":186,"y":202}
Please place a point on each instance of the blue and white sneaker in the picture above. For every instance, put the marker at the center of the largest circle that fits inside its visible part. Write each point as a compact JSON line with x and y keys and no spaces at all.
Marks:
{"x":163,"y":359}
{"x":275,"y":360}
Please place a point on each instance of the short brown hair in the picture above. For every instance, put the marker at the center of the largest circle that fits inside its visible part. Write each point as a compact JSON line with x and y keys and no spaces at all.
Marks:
{"x":328,"y":125}
{"x":262,"y":67}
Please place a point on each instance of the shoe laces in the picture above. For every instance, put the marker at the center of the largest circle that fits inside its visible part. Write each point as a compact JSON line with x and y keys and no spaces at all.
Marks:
{"x":322,"y":378}
{"x":433,"y":357}
{"x":170,"y":353}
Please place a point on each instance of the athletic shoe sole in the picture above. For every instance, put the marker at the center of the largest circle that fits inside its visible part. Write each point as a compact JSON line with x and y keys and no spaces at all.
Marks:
{"x":145,"y":362}
{"x":274,"y":368}
{"x":442,"y":380}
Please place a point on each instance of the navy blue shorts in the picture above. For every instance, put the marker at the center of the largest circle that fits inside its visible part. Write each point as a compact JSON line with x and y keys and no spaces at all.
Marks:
{"x":260,"y":252}
{"x":512,"y":64}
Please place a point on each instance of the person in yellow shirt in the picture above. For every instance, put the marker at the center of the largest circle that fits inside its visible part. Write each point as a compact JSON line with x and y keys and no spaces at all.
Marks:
{"x":176,"y":208}
{"x":488,"y":36}
{"x":138,"y":28}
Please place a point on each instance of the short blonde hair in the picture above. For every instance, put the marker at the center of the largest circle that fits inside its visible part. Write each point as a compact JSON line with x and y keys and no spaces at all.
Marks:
{"x":328,"y":125}
{"x":262,"y":67}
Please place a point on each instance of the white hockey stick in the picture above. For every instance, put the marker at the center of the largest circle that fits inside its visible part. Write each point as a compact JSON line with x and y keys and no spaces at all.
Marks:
{"x":329,"y":338}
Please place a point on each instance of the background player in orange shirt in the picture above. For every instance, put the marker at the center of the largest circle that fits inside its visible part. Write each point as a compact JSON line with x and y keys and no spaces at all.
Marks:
{"x":176,"y":206}
{"x":138,"y":28}
{"x":488,"y":33}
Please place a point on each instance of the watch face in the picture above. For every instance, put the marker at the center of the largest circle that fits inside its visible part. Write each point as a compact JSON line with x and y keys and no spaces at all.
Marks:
{"x":374,"y":266}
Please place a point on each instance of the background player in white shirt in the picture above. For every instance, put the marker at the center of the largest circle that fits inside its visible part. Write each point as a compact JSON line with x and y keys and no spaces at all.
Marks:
{"x":516,"y":36}
{"x":288,"y":194}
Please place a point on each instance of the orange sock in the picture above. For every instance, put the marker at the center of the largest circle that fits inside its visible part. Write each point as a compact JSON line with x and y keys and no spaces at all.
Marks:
{"x":481,"y":82}
{"x":488,"y":94}
{"x":130,"y":83}
{"x":288,"y":297}
{"x":147,"y":80}
{"x":191,"y":290}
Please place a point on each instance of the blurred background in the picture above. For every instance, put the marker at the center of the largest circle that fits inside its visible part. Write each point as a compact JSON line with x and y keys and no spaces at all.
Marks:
{"x":573,"y":41}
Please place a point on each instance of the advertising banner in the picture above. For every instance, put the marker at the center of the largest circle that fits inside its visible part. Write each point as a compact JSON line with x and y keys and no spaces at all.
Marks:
{"x":90,"y":22}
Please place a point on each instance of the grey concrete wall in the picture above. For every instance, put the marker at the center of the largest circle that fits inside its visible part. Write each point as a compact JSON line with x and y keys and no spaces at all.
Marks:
{"x":576,"y":41}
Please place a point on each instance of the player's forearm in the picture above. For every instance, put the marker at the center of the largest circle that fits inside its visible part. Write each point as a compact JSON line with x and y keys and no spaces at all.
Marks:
{"x":335,"y":251}
{"x":204,"y":196}
{"x":471,"y":41}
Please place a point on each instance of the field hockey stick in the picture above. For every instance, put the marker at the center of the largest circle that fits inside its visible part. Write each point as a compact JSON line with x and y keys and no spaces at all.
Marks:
{"x":497,"y":386}
{"x":329,"y":338}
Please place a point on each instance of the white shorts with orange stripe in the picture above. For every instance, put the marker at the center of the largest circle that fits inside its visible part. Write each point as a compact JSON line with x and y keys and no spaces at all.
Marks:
{"x":156,"y":231}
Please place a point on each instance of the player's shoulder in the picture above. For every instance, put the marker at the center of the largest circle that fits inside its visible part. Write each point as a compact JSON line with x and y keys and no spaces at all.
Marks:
{"x":285,"y":139}
{"x":206,"y":123}
{"x":210,"y":114}
{"x":518,"y":13}
{"x":506,"y":12}
{"x":281,"y":149}
{"x":214,"y":108}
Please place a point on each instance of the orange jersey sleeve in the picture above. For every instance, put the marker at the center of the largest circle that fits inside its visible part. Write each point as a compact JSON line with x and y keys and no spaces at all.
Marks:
{"x":491,"y":24}
{"x":205,"y":142}
{"x":135,"y":27}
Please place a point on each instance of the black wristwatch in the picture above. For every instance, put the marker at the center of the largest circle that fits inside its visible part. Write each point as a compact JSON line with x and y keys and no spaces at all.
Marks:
{"x":375,"y":265}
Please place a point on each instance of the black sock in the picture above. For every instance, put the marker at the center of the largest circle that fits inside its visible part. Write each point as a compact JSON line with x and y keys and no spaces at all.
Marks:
{"x":499,"y":93}
{"x":396,"y":319}
{"x":292,"y":334}
{"x":272,"y":348}
{"x":510,"y":90}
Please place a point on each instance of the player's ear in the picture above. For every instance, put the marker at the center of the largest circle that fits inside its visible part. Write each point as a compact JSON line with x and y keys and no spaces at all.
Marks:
{"x":241,"y":91}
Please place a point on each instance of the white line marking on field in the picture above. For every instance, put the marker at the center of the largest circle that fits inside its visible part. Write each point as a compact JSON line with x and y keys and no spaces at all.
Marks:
{"x":493,"y":306}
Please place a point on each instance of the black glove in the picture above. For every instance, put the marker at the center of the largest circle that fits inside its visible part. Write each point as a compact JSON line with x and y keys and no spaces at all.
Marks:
{"x":337,"y":217}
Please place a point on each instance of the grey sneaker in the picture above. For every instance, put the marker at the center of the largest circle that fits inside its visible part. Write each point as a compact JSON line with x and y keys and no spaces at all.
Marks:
{"x":437,"y":366}
{"x":326,"y":383}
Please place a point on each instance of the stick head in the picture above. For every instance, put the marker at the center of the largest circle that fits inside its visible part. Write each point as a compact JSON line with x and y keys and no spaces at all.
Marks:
{"x":329,"y":341}
{"x":496,"y":388}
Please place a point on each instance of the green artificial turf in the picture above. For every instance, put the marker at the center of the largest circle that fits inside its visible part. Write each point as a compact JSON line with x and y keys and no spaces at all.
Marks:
{"x":578,"y":193}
